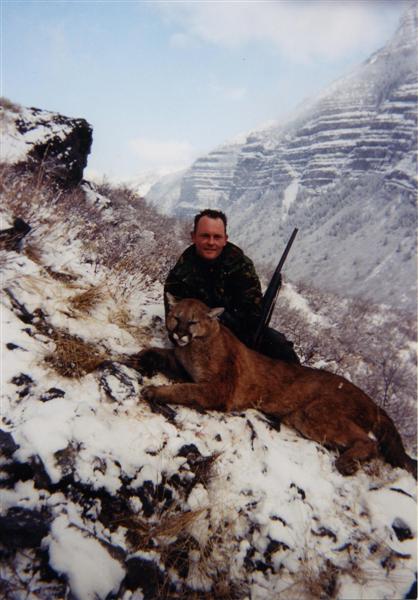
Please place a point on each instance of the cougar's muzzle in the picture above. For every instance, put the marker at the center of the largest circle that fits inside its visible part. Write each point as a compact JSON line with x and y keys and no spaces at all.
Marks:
{"x":180,"y":340}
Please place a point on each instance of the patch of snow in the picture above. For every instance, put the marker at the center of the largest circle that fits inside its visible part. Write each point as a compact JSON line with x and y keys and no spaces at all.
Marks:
{"x":91,"y":571}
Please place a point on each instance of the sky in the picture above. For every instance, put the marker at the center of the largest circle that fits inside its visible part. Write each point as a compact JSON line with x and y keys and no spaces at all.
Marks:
{"x":165,"y":82}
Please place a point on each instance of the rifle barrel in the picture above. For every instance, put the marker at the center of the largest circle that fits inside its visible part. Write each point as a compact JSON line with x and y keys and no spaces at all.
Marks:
{"x":270,"y":296}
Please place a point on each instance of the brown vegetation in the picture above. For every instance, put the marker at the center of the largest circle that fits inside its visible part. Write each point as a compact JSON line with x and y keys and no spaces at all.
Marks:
{"x":73,"y":356}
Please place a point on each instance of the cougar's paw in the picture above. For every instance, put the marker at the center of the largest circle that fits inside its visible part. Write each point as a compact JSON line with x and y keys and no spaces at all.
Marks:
{"x":346,"y":466}
{"x":149,"y":392}
{"x":106,"y":364}
{"x":147,"y":362}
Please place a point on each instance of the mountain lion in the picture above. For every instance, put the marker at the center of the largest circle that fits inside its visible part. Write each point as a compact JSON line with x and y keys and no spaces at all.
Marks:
{"x":224,"y":374}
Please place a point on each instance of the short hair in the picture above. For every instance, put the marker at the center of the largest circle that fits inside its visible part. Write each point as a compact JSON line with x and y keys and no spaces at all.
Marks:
{"x":212,"y":214}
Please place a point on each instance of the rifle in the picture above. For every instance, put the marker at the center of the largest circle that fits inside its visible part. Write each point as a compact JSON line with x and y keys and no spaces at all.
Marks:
{"x":270,"y":296}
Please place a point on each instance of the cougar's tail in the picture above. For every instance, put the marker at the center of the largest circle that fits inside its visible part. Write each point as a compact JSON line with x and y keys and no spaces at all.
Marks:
{"x":391,"y":445}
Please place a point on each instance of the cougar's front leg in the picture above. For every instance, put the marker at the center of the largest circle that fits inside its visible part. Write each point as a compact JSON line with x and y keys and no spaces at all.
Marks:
{"x":202,"y":394}
{"x":157,"y":360}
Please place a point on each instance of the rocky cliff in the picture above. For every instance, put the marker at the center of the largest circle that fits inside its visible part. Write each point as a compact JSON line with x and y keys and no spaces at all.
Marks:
{"x":33,"y":138}
{"x":342,"y":169}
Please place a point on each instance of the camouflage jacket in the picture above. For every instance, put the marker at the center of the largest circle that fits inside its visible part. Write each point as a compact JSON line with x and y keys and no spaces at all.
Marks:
{"x":229,"y":281}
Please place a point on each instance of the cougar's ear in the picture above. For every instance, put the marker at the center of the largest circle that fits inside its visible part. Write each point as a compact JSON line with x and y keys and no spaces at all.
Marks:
{"x":171,"y":300}
{"x":215,"y":312}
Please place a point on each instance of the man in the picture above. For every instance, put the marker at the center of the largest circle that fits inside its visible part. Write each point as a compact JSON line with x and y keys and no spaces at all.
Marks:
{"x":219,"y":274}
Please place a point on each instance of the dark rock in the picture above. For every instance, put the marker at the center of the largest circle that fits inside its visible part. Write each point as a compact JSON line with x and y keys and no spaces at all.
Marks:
{"x":277,"y":518}
{"x":11,"y":346}
{"x":200,"y":466}
{"x":14,"y":472}
{"x":325,"y":532}
{"x":189,"y":451}
{"x":412,"y":592}
{"x":145,"y":575}
{"x":163,"y":409}
{"x":25,"y":382}
{"x":253,"y":433}
{"x":178,"y":557}
{"x":154,"y":497}
{"x":20,"y":309}
{"x":248,"y":559}
{"x":300,"y":491}
{"x":275,"y":546}
{"x":52,"y":393}
{"x":23,"y":528}
{"x":7,"y":443}
{"x":22,"y":379}
{"x":401,"y":492}
{"x":62,"y":148}
{"x":11,"y":238}
{"x":402,"y":530}
{"x":111,"y":369}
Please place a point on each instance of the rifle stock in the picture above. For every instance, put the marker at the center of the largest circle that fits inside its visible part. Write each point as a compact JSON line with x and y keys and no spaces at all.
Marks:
{"x":270,"y":296}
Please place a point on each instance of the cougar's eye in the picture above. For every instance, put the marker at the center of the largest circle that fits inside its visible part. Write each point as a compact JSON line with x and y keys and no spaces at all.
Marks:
{"x":172,"y":322}
{"x":193,"y":322}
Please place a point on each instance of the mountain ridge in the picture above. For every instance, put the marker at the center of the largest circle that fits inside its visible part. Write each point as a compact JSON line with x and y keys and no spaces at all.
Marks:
{"x":344,"y":165}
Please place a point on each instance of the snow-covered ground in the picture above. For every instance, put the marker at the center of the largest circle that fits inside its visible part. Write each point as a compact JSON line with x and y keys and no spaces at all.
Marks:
{"x":106,"y":496}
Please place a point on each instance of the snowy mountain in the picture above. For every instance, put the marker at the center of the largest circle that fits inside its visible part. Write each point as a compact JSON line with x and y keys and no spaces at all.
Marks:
{"x":168,"y":183}
{"x":106,"y":496}
{"x":343,"y":170}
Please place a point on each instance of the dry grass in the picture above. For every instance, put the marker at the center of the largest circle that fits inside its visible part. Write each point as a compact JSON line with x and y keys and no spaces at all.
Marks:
{"x":123,"y":319}
{"x":9,"y":105}
{"x":74,"y":357}
{"x":171,"y":536}
{"x":63,"y":277}
{"x":33,"y":251}
{"x":84,"y":302}
{"x":171,"y":524}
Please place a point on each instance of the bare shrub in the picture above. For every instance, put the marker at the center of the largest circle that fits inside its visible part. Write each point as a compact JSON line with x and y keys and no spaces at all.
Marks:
{"x":9,"y":105}
{"x":126,"y":236}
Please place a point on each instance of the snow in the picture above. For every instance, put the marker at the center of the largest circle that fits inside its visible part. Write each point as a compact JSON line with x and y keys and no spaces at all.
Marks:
{"x":15,"y":145}
{"x":266,"y":485}
{"x":91,"y":571}
{"x":298,"y":302}
{"x":289,"y":196}
{"x":272,"y":515}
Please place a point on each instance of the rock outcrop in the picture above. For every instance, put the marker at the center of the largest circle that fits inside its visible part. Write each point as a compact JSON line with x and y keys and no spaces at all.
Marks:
{"x":33,"y":138}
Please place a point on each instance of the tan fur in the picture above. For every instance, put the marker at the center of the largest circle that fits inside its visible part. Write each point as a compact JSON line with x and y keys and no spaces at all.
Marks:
{"x":226,"y":375}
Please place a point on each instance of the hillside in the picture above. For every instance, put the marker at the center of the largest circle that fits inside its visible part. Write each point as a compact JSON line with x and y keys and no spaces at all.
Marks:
{"x":342,"y":168}
{"x":106,"y":496}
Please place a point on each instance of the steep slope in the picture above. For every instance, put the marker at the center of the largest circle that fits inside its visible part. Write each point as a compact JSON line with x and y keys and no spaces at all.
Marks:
{"x":106,"y":496}
{"x":342,"y":169}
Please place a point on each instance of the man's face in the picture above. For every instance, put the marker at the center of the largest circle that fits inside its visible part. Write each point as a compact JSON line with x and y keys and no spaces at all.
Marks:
{"x":209,"y":238}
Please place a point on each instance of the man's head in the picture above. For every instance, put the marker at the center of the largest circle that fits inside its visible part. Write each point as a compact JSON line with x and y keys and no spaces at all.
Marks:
{"x":209,"y":234}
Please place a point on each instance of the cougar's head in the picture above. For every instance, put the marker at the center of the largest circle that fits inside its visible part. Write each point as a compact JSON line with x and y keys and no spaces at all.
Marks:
{"x":189,"y":319}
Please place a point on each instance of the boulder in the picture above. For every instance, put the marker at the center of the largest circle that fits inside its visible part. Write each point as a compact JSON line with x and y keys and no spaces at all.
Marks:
{"x":33,"y":138}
